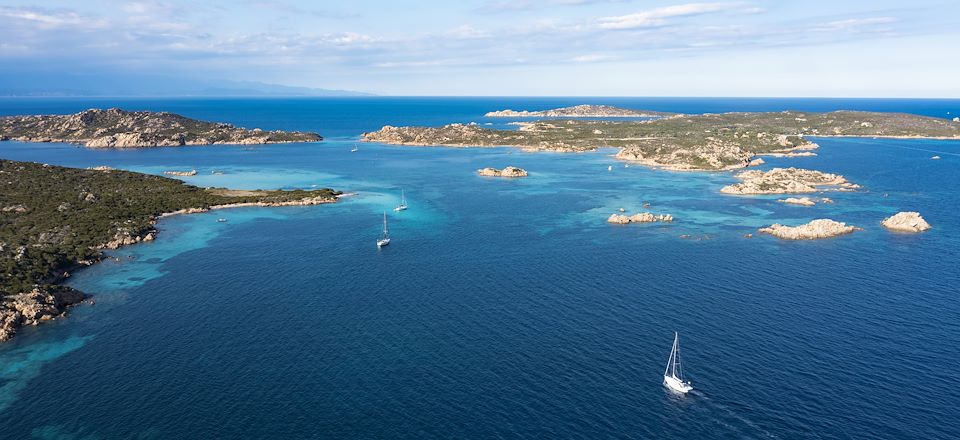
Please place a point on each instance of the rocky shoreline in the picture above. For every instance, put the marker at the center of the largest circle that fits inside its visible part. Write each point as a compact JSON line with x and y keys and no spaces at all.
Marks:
{"x":117,"y":128}
{"x":704,"y":142}
{"x":50,"y":302}
{"x":51,"y":230}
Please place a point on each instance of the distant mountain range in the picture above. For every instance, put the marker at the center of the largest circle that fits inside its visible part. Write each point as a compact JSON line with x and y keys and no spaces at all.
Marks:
{"x":67,"y":85}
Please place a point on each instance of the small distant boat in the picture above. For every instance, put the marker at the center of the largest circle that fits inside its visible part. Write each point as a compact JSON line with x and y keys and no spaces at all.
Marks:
{"x":403,"y":203}
{"x":221,"y":220}
{"x":626,"y":165}
{"x":673,"y":375}
{"x":610,"y":168}
{"x":355,"y":148}
{"x":385,"y":237}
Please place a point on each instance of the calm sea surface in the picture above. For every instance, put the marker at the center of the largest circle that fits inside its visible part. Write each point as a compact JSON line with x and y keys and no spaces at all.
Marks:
{"x":503,"y":308}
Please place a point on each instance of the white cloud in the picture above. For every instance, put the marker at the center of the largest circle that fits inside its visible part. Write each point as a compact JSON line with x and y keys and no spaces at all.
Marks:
{"x":854,"y":24}
{"x":658,"y":16}
{"x":590,"y":58}
{"x":47,"y":19}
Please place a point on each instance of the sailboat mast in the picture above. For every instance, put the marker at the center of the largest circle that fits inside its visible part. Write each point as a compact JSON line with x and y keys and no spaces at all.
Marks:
{"x":673,"y":350}
{"x":678,"y":367}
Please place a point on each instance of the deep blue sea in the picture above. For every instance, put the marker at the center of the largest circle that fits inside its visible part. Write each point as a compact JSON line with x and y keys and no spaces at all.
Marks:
{"x":503,"y":308}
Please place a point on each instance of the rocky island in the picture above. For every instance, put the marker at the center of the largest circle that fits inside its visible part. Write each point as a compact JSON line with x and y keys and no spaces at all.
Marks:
{"x":787,"y":181}
{"x":116,"y":128}
{"x":906,"y":222}
{"x":708,"y":142}
{"x":55,"y":220}
{"x":506,"y":172}
{"x":817,"y":229}
{"x":642,"y":217}
{"x":580,"y":111}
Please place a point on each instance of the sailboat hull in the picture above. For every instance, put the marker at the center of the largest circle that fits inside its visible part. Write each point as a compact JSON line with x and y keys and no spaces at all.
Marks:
{"x":677,"y":385}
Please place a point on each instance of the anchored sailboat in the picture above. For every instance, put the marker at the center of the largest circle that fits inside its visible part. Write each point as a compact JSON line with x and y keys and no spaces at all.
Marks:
{"x":403,"y":203}
{"x":673,"y":375}
{"x":385,"y":237}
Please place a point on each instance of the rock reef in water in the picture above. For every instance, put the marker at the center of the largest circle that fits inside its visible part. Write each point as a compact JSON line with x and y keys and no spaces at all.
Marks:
{"x":787,"y":181}
{"x":907,"y":221}
{"x":116,"y":128}
{"x":817,"y":229}
{"x":642,"y":217}
{"x":181,"y":173}
{"x":579,"y":111}
{"x":506,"y":172}
{"x":802,"y":201}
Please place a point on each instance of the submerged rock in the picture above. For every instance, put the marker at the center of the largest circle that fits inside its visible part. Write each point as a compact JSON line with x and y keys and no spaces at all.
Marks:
{"x":821,"y":228}
{"x":907,"y":221}
{"x":802,"y":201}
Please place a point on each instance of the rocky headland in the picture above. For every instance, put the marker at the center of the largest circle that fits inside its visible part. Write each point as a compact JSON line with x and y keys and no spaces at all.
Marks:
{"x":816,"y":229}
{"x":579,"y":111}
{"x":642,"y":217}
{"x":116,"y":128}
{"x":55,"y":220}
{"x":906,"y":222}
{"x":787,"y":181}
{"x":509,"y":171}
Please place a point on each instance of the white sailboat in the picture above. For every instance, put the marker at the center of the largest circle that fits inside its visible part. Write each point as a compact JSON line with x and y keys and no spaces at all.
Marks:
{"x":385,"y":237}
{"x":673,"y":375}
{"x":403,"y":202}
{"x":355,"y":148}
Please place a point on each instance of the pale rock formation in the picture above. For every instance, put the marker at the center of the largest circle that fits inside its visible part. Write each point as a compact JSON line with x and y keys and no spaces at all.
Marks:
{"x":786,"y":181}
{"x":509,"y":171}
{"x":34,"y":307}
{"x":756,"y":162}
{"x":906,"y":221}
{"x":642,"y":217}
{"x":817,"y":229}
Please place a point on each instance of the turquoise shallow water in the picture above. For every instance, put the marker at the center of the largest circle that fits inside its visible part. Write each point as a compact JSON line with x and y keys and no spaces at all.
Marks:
{"x":504,"y":308}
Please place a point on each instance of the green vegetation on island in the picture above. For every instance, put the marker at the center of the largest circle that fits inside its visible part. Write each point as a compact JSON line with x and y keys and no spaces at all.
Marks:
{"x":681,"y":142}
{"x":54,"y":220}
{"x":129,"y":129}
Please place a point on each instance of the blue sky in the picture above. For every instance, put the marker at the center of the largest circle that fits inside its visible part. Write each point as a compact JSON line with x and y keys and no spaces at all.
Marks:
{"x":497,"y":47}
